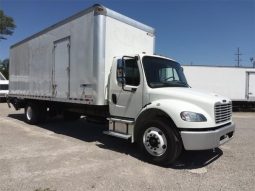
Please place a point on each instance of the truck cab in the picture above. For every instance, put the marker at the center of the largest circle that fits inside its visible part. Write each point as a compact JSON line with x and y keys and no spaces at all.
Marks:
{"x":151,"y":102}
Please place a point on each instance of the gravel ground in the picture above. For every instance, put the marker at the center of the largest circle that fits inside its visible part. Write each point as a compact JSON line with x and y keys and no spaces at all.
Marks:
{"x":76,"y":155}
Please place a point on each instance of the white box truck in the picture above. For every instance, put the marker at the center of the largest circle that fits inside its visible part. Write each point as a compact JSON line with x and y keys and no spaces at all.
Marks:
{"x":101,"y":64}
{"x":236,"y":83}
{"x":4,"y":87}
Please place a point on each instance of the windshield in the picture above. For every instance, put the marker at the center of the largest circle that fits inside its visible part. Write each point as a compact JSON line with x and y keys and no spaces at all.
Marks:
{"x":161,"y":72}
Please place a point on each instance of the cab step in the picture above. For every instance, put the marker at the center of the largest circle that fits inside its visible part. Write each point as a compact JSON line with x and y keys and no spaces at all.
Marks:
{"x":116,"y":134}
{"x":127,"y":121}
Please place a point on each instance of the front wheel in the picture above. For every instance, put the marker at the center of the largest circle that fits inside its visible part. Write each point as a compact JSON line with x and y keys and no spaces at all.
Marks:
{"x":160,"y":142}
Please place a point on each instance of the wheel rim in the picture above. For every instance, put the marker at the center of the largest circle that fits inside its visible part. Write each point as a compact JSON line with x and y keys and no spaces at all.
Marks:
{"x":154,"y":141}
{"x":29,"y":113}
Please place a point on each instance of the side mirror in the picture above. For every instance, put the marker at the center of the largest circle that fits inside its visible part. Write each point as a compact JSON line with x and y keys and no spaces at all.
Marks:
{"x":120,"y":72}
{"x":124,"y":58}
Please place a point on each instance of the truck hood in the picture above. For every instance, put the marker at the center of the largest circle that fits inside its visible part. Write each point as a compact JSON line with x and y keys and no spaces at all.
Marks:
{"x":187,"y":94}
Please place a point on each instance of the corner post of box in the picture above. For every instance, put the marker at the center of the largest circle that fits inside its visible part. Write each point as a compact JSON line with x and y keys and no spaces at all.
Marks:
{"x":99,"y":51}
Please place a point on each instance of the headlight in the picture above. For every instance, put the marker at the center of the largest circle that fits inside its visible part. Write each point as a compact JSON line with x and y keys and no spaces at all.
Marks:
{"x":192,"y":116}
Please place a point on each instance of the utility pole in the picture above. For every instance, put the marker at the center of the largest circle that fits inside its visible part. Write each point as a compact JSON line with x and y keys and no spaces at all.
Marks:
{"x":238,"y":57}
{"x":252,"y":62}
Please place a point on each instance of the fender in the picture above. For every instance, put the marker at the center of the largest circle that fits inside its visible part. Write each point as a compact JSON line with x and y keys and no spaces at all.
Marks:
{"x":171,"y":109}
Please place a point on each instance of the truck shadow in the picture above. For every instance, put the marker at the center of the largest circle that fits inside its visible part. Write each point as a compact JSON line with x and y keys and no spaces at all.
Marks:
{"x":197,"y":159}
{"x":92,"y":132}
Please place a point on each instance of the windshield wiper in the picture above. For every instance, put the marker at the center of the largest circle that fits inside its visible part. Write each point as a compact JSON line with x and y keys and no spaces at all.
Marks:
{"x":181,"y":82}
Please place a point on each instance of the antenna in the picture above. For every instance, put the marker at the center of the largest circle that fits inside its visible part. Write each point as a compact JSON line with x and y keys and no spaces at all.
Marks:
{"x":238,"y":57}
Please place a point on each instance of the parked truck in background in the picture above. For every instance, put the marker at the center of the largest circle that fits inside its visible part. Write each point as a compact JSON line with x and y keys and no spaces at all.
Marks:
{"x":101,"y":64}
{"x":4,"y":87}
{"x":237,"y":83}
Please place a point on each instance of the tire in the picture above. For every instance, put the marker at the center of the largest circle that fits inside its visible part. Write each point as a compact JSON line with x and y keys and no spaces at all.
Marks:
{"x":32,"y":113}
{"x":159,"y":142}
{"x":35,"y":113}
{"x":71,"y":116}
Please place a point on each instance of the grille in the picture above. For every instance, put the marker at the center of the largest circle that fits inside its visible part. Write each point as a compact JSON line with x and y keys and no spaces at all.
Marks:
{"x":223,"y":112}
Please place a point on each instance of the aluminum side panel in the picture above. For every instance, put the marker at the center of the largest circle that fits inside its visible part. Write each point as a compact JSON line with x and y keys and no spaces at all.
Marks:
{"x":124,"y":39}
{"x":31,"y":63}
{"x":82,"y":78}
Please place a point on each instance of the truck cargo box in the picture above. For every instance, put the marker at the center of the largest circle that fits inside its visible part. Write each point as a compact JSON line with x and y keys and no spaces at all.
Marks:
{"x":70,"y":61}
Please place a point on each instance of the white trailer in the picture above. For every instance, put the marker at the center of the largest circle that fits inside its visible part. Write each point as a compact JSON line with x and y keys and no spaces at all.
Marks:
{"x":236,"y":83}
{"x":4,"y":87}
{"x":100,"y":64}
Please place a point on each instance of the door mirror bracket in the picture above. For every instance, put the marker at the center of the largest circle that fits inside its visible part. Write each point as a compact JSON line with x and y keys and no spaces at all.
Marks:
{"x":122,"y":73}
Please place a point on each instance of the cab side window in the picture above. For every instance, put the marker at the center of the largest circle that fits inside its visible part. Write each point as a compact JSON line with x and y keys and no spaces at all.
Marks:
{"x":131,"y":72}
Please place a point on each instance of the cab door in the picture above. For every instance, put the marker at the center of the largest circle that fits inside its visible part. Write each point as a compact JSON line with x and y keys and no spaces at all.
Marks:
{"x":126,"y":88}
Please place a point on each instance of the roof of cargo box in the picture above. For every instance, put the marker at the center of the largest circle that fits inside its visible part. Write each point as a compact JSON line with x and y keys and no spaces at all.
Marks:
{"x":99,"y":10}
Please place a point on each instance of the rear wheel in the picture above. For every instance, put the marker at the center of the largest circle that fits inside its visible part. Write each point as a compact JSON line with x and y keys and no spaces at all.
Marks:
{"x":32,"y":113}
{"x":160,"y":143}
{"x":35,"y":113}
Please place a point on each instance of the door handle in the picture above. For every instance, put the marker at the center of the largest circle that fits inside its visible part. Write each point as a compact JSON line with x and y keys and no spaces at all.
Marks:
{"x":114,"y":98}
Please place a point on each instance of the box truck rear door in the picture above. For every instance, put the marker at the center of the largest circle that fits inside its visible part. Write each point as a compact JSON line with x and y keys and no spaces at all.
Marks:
{"x":61,"y":68}
{"x":251,"y":85}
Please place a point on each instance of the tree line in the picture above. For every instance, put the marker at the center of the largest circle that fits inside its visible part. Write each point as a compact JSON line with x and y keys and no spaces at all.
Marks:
{"x":7,"y":26}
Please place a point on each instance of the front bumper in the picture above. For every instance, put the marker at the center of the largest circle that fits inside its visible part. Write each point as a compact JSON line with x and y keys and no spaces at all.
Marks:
{"x":203,"y":140}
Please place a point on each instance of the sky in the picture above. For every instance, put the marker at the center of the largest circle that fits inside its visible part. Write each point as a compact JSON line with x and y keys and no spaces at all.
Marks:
{"x":198,"y":32}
